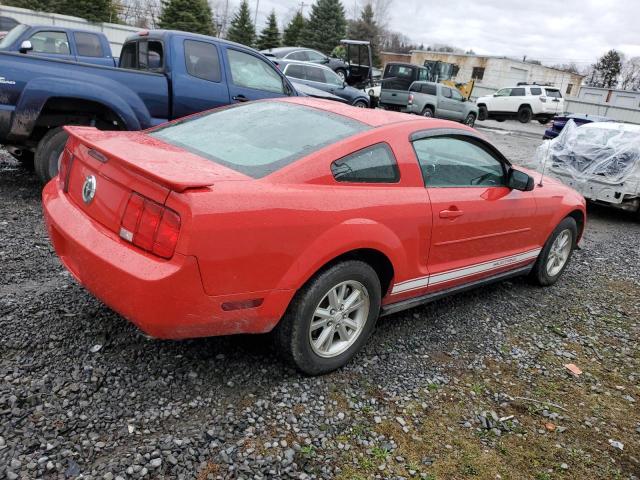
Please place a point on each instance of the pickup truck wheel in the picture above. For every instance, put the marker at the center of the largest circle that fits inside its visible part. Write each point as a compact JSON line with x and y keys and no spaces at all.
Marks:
{"x":470,"y":121}
{"x":330,"y":318}
{"x":428,"y":112}
{"x":483,"y":113}
{"x":48,"y":152}
{"x":556,"y":253}
{"x":524,"y":114}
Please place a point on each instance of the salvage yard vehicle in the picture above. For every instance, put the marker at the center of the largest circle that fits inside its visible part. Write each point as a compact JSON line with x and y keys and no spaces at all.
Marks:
{"x":601,"y":160}
{"x":323,"y":78}
{"x":559,"y":121}
{"x":59,"y":42}
{"x":524,"y":102}
{"x":308,"y":55}
{"x":306,"y":217}
{"x":162,"y":75}
{"x":396,"y":80}
{"x":436,"y":100}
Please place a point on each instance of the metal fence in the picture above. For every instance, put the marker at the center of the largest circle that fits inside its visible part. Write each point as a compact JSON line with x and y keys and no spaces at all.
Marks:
{"x":116,"y":34}
{"x":620,"y":114}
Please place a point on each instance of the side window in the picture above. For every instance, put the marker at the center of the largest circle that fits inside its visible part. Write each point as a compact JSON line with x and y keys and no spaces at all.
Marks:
{"x":553,"y":93}
{"x":331,"y":78}
{"x":374,"y":164}
{"x":314,"y":56}
{"x":503,"y":92}
{"x":294,"y":71}
{"x":517,"y":92}
{"x":253,"y":72}
{"x":429,"y":88}
{"x":446,"y":92}
{"x":457,"y":162}
{"x":536,"y":91}
{"x":50,"y":42}
{"x":128,"y":57}
{"x":415,"y":87}
{"x":422,"y":74}
{"x":149,"y":55}
{"x":202,"y":60}
{"x":456,"y":95}
{"x":314,"y":74}
{"x":299,"y":55}
{"x":88,"y":44}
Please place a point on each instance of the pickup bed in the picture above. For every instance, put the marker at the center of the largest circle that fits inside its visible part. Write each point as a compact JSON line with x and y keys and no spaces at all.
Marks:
{"x":59,"y":42}
{"x":162,"y":75}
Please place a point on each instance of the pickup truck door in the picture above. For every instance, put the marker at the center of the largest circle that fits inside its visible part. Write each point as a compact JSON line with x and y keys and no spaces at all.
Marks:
{"x":446,"y":103}
{"x":198,"y":81}
{"x":457,"y":105}
{"x":251,"y":77}
{"x":480,"y":226}
{"x":52,"y":43}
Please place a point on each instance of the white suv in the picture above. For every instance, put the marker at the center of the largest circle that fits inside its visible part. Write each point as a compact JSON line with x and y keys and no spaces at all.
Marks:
{"x":523,"y":102}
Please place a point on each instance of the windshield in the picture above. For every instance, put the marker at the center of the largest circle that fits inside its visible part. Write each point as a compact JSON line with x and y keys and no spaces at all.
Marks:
{"x":255,"y":138}
{"x":12,"y":36}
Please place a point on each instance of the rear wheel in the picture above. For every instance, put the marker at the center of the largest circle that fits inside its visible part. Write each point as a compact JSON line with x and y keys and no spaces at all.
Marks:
{"x":342,"y":74}
{"x":48,"y":152}
{"x":525,"y":114}
{"x":428,"y":112}
{"x":360,"y":104}
{"x":330,"y":318}
{"x":470,"y":121}
{"x":556,"y":253}
{"x":483,"y":113}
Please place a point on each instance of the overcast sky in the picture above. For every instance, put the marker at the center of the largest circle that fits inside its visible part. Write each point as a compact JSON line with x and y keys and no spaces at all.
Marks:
{"x":553,"y":31}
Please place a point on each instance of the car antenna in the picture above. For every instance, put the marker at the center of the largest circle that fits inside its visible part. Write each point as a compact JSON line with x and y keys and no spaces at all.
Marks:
{"x":544,"y":164}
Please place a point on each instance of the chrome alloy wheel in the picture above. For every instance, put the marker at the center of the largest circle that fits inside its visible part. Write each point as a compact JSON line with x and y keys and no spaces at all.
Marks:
{"x":559,"y":252}
{"x":339,"y":319}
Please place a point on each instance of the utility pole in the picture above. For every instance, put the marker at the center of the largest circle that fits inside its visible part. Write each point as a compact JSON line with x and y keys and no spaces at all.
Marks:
{"x":302,"y":5}
{"x":255,"y":18}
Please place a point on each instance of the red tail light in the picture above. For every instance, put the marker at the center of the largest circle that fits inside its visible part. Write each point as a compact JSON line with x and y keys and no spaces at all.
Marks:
{"x":64,"y":168}
{"x":150,"y":226}
{"x":410,"y":98}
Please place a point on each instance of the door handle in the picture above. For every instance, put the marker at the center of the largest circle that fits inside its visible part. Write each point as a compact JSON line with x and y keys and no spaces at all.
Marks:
{"x":240,"y":98}
{"x":451,"y":213}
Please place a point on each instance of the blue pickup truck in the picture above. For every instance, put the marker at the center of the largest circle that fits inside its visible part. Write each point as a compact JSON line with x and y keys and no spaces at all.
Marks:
{"x":162,"y":75}
{"x":59,"y":42}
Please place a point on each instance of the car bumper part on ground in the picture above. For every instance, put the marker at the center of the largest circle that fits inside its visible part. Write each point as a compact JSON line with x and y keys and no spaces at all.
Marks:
{"x":164,"y":298}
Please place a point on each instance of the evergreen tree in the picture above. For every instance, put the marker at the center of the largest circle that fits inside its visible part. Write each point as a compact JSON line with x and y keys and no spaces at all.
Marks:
{"x":293,"y":33}
{"x":241,"y":29}
{"x":366,"y":28}
{"x":607,"y":69}
{"x":187,"y":15}
{"x":326,"y":26}
{"x":92,"y":10}
{"x":270,"y":36}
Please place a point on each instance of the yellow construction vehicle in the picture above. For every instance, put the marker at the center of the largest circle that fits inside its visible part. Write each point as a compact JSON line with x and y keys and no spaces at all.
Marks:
{"x":443,"y":72}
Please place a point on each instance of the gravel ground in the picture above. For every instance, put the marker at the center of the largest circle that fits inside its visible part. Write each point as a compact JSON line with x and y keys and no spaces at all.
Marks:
{"x":471,"y":386}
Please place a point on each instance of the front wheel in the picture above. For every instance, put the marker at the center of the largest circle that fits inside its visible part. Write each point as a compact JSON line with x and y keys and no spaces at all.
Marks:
{"x":342,"y":74}
{"x":555,"y":255}
{"x":330,"y":318}
{"x":48,"y":152}
{"x":361,"y":104}
{"x":470,"y":120}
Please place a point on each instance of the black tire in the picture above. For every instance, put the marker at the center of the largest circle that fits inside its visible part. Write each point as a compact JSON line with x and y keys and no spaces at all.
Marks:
{"x":342,"y":73}
{"x":428,"y":112}
{"x":361,"y":104}
{"x":500,"y":119}
{"x":539,"y":274}
{"x":470,"y":120}
{"x":48,"y":152}
{"x":544,"y":121}
{"x":292,"y":333}
{"x":483,"y":113}
{"x":525,"y":114}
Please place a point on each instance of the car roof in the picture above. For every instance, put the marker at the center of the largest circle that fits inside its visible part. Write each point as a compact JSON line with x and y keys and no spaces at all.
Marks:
{"x":306,"y":64}
{"x":373,"y":117}
{"x":284,"y":50}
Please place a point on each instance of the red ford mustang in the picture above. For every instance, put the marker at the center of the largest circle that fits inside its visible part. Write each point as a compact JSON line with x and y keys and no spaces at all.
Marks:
{"x":310,"y":217}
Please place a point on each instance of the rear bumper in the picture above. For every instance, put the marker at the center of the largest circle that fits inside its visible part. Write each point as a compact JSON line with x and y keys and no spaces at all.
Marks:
{"x":164,"y":298}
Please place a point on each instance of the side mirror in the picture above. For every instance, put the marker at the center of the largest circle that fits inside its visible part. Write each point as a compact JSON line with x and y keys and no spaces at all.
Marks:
{"x":344,"y":84}
{"x":26,"y":46}
{"x":520,"y":181}
{"x":326,"y":60}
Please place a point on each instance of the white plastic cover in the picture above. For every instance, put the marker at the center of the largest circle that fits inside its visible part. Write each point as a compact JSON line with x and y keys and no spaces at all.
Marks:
{"x":603,"y":152}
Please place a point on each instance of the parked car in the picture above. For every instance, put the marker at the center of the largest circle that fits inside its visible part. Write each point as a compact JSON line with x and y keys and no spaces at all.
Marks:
{"x":60,"y":43}
{"x":396,"y":80}
{"x":559,"y":121}
{"x":431,"y":99}
{"x":305,"y":90}
{"x":300,"y":215}
{"x":323,"y":78}
{"x":308,"y":55}
{"x":161,"y":75}
{"x":601,"y":160}
{"x":523,"y":102}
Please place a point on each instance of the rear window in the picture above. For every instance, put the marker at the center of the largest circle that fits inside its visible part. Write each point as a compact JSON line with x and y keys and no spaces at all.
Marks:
{"x":517,"y":92}
{"x":536,"y":91}
{"x":399,"y":77}
{"x":249,"y":138}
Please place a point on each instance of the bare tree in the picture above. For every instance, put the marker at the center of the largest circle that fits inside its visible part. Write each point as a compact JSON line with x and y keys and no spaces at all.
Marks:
{"x":630,"y":74}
